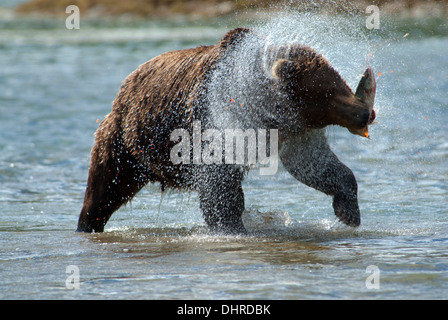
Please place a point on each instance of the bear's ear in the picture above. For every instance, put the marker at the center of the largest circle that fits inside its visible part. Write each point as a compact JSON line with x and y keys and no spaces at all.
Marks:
{"x":284,"y":69}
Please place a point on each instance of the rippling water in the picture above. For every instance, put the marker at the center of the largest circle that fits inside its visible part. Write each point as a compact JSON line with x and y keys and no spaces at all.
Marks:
{"x":56,"y":83}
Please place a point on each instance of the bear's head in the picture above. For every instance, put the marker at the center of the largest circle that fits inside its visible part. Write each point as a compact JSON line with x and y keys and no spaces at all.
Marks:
{"x":319,"y":94}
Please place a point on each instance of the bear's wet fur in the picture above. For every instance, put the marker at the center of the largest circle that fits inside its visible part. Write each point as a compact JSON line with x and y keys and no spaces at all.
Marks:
{"x":132,"y":144}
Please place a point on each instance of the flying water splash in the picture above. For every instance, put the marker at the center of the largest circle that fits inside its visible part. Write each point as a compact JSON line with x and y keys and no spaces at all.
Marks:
{"x":344,"y":41}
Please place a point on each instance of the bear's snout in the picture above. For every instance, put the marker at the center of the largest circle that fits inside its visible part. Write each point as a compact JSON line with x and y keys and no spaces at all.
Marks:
{"x":348,"y":112}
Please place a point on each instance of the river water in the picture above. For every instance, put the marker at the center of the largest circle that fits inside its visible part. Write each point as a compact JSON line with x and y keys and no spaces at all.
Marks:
{"x":56,"y":83}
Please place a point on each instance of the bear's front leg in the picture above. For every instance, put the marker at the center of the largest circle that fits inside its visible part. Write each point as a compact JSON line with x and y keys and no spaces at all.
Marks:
{"x":308,"y":158}
{"x":221,"y":198}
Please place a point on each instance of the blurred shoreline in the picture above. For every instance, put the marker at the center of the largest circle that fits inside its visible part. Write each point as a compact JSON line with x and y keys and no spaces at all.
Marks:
{"x":200,"y":9}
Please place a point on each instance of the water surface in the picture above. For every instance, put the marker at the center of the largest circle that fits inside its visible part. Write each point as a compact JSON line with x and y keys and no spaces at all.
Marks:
{"x":56,"y":83}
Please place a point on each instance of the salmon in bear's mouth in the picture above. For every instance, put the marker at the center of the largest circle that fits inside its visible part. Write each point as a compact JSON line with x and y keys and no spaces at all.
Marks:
{"x":372,"y":117}
{"x":365,"y":92}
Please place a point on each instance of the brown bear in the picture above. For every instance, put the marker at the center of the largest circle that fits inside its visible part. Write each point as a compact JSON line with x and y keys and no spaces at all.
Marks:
{"x":240,"y":82}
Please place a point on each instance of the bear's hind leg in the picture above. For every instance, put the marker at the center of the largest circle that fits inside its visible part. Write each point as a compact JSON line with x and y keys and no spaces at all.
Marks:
{"x":115,"y":176}
{"x":222,"y":198}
